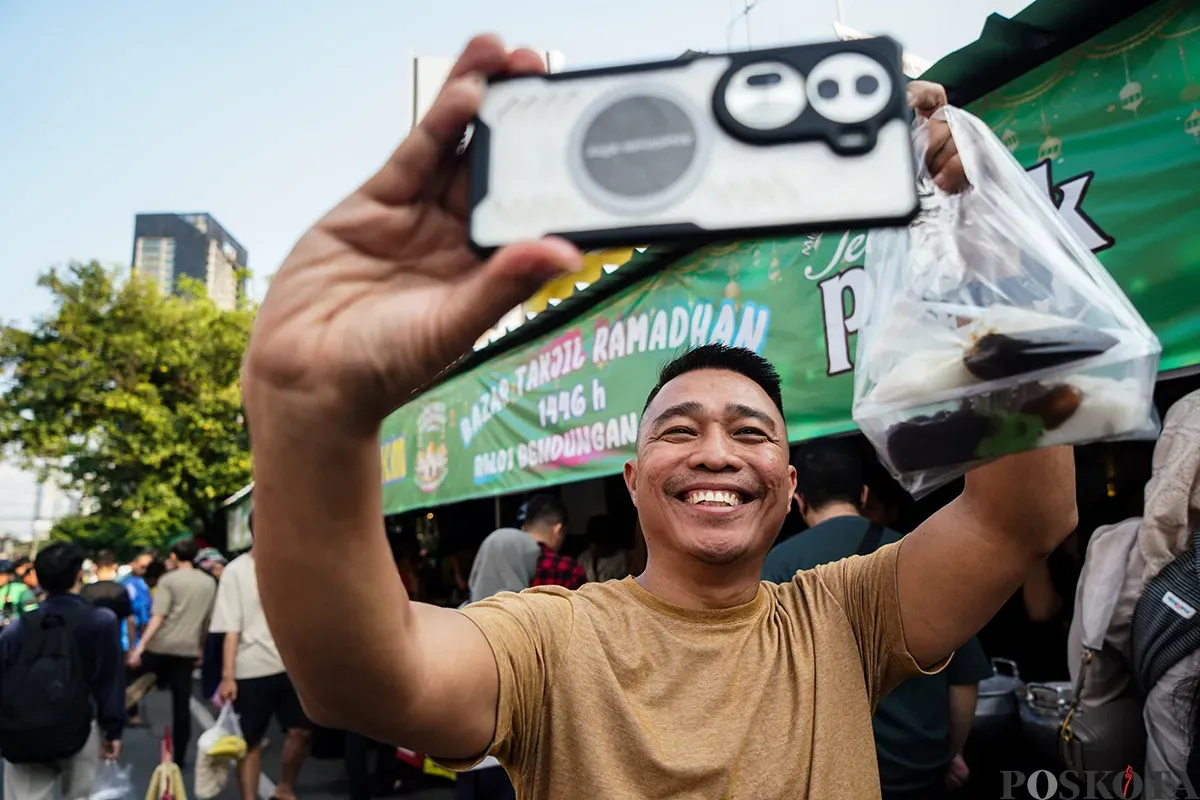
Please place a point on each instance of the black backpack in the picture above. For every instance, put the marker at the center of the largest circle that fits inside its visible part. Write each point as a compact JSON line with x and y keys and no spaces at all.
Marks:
{"x":45,"y":701}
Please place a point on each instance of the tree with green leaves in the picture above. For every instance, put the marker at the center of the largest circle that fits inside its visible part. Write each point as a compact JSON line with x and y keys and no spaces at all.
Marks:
{"x":133,"y":398}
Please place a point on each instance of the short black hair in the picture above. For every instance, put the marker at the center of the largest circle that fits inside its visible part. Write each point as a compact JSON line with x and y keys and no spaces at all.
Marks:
{"x":58,"y":566}
{"x":746,"y":363}
{"x":185,"y":549}
{"x":154,"y":570}
{"x":544,"y":509}
{"x":106,"y":558}
{"x":829,"y":471}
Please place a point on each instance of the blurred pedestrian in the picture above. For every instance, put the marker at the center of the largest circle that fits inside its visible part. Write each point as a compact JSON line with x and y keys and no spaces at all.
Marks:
{"x":28,"y":575}
{"x":59,"y":715}
{"x":921,"y":727}
{"x":141,"y":600}
{"x":106,"y":592}
{"x":255,"y":680}
{"x":173,"y":641}
{"x":15,"y":597}
{"x":546,"y":522}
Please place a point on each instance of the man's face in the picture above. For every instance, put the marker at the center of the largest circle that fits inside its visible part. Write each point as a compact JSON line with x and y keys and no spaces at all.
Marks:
{"x":711,"y":479}
{"x":139,"y":565}
{"x":29,"y":577}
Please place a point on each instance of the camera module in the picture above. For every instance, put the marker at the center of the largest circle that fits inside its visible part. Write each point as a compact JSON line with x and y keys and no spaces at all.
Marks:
{"x":765,"y":96}
{"x":849,"y":88}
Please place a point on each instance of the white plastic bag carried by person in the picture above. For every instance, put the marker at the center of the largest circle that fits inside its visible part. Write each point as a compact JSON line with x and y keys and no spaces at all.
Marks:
{"x":993,"y":329}
{"x":224,"y":739}
{"x":215,"y":749}
{"x":112,"y":782}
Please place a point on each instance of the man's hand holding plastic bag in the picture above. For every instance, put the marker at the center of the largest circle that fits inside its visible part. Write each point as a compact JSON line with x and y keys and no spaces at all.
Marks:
{"x":112,"y":782}
{"x":993,"y":329}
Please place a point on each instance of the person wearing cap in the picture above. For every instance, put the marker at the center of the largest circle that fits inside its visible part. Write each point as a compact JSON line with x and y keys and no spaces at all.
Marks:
{"x":211,"y":561}
{"x":15,"y":597}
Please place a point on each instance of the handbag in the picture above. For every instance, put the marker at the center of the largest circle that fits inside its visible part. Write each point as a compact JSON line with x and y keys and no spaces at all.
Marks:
{"x":1111,"y":736}
{"x":1042,"y":709}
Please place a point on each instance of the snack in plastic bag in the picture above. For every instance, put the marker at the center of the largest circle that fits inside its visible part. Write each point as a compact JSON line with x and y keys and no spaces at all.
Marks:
{"x":224,"y":739}
{"x":112,"y":782}
{"x":993,"y":329}
{"x":215,"y":748}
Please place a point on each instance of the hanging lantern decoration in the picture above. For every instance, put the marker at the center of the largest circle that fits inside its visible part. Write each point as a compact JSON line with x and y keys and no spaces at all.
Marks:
{"x":1191,"y":124}
{"x":1131,"y":92}
{"x":1051,"y":149}
{"x":1009,"y":137}
{"x":1131,"y":96}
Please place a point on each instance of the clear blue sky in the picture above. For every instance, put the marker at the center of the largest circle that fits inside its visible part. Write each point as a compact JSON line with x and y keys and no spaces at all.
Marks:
{"x":264,"y":113}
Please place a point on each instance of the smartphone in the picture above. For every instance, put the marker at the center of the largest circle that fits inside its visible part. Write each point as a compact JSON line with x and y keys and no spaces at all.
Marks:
{"x":750,"y":144}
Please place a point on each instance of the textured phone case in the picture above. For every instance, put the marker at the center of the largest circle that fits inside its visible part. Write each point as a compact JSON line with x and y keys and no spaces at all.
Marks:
{"x":756,"y":143}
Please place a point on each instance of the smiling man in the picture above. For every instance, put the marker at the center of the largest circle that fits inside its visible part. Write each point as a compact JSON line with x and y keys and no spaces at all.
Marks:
{"x":694,"y":680}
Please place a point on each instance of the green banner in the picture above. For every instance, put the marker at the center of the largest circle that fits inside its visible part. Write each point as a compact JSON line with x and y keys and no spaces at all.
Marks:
{"x":1112,"y":130}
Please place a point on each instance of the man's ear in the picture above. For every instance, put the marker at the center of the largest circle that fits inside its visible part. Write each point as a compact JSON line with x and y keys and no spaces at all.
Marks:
{"x":799,"y":503}
{"x":866,"y":492}
{"x":631,"y":479}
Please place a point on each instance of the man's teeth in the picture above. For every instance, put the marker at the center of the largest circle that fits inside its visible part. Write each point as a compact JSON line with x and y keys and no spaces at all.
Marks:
{"x":706,"y":496}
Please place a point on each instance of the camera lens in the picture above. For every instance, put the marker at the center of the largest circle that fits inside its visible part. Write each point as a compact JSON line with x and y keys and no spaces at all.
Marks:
{"x":866,"y":84}
{"x":765,"y":96}
{"x":849,"y":88}
{"x":764,"y":79}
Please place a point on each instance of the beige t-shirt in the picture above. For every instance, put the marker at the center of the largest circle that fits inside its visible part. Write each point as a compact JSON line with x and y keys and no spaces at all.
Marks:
{"x":612,"y":689}
{"x":185,"y":599}
{"x":239,"y":610}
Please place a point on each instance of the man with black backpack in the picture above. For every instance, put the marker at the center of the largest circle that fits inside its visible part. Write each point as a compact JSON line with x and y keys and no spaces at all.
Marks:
{"x":921,"y":727}
{"x":62,"y":687}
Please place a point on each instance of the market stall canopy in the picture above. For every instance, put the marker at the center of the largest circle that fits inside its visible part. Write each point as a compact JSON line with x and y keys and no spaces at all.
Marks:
{"x":1110,"y":128}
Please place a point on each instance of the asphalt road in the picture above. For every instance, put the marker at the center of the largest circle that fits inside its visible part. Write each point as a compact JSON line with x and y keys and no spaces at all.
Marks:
{"x":319,"y":779}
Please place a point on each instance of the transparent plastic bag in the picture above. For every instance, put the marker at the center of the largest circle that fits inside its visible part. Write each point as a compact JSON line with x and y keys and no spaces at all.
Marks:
{"x":224,"y":739}
{"x":112,"y":782}
{"x":216,"y":748}
{"x":993,"y":329}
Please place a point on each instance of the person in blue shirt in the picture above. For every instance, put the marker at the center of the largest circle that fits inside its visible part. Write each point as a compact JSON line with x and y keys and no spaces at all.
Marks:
{"x":139,"y":595}
{"x":142,"y":600}
{"x":922,"y":726}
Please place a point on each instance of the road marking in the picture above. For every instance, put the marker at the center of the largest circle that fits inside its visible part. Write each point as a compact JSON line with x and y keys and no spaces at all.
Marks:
{"x":205,"y":719}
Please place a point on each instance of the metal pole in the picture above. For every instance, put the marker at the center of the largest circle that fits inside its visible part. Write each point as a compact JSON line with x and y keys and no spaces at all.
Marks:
{"x":37,"y":512}
{"x":496,"y":506}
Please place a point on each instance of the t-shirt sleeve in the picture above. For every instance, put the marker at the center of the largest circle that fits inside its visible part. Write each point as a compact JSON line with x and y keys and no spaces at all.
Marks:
{"x":227,"y":608}
{"x":970,"y":665}
{"x":122,"y":604}
{"x":868,"y":591}
{"x":528,"y":633}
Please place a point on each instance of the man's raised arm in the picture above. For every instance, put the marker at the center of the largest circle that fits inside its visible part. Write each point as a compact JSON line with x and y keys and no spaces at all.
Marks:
{"x":371,"y":304}
{"x":362,"y":656}
{"x":964,"y":562}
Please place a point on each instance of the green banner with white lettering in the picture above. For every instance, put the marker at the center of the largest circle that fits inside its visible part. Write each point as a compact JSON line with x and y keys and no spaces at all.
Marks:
{"x":1111,"y":130}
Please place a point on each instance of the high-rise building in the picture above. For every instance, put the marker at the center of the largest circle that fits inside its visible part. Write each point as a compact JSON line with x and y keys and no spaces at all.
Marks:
{"x":169,"y":246}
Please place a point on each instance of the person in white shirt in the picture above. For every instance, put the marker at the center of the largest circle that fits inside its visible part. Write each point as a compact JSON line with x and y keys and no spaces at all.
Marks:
{"x":254,"y":679}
